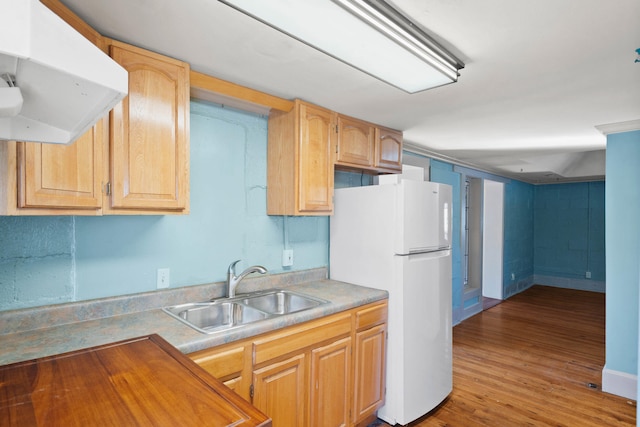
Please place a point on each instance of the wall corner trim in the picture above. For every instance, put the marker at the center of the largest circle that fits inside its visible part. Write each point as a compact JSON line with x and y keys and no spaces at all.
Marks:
{"x":628,"y":126}
{"x":619,"y":383}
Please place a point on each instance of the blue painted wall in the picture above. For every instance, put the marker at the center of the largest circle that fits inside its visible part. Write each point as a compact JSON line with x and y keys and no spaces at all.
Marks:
{"x":569,"y":230}
{"x":36,"y":260}
{"x":59,"y":259}
{"x":623,"y":251}
{"x":518,"y":237}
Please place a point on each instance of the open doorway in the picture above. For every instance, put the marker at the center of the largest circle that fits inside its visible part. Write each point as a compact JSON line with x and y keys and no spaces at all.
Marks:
{"x":472,"y":247}
{"x":482,"y":243}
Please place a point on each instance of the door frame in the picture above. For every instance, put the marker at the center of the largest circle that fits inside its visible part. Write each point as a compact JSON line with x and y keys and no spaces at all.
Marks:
{"x":492,"y":220}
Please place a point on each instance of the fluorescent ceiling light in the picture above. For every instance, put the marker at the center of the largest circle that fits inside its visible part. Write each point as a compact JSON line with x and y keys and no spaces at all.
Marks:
{"x":367,"y":34}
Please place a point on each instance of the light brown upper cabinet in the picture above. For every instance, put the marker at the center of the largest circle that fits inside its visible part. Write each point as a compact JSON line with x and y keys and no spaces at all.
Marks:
{"x":135,"y":163}
{"x":53,"y":179}
{"x":367,"y":147}
{"x":149,"y":133}
{"x":64,"y":176}
{"x":388,"y":157}
{"x":306,"y":143}
{"x":300,"y":161}
{"x":356,"y":143}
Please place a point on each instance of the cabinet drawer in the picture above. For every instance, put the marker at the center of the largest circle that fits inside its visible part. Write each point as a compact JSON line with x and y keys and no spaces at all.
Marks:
{"x":301,"y":337}
{"x":371,"y":316}
{"x":221,"y":363}
{"x":233,"y":384}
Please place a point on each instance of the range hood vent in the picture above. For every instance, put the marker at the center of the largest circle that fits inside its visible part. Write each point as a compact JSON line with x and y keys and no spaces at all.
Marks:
{"x":54,"y":83}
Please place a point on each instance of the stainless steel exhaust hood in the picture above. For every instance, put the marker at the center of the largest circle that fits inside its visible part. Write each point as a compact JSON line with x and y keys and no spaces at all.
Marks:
{"x":54,"y":83}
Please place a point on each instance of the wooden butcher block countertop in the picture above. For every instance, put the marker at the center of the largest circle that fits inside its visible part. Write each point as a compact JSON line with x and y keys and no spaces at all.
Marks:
{"x":137,"y":382}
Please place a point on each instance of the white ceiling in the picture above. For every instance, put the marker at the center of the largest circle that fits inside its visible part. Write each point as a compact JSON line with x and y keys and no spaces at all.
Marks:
{"x":539,"y":75}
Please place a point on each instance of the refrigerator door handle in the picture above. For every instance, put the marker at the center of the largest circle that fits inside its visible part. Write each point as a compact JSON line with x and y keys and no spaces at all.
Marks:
{"x":427,"y":250}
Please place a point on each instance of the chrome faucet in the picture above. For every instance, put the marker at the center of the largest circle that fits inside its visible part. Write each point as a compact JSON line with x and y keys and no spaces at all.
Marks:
{"x":233,"y":281}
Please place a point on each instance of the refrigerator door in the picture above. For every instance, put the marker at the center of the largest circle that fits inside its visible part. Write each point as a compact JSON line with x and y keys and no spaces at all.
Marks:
{"x":419,"y":351}
{"x":424,"y":213}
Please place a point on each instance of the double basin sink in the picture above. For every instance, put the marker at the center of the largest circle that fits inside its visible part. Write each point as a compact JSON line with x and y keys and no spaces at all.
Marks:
{"x":227,"y":313}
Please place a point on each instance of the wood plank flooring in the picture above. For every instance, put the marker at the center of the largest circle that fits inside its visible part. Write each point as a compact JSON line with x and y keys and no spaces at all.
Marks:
{"x":529,"y":362}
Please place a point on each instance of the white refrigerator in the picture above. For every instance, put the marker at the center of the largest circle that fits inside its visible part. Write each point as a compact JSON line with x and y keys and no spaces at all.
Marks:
{"x":397,"y":237}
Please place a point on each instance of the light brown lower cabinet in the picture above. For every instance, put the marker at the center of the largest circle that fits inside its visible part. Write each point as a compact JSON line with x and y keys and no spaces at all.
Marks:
{"x":369,"y":384}
{"x":326,"y":372}
{"x":279,"y":389}
{"x":330,"y":373}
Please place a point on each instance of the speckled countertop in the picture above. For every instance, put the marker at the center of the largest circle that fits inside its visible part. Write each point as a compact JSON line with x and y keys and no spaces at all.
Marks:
{"x":32,"y":333}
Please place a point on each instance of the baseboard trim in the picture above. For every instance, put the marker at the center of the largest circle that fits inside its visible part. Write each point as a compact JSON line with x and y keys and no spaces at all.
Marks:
{"x":568,"y":283}
{"x":620,"y":383}
{"x":516,"y":287}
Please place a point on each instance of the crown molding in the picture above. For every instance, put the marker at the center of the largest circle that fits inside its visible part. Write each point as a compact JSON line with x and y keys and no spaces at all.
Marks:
{"x":619,"y":127}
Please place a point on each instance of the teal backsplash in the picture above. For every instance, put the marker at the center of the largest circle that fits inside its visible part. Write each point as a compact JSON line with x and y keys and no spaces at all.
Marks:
{"x":49,"y":260}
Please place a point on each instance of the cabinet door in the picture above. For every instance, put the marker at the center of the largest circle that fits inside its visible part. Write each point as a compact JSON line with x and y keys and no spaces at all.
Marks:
{"x":330,"y":371}
{"x":149,"y":133}
{"x":369,"y":381}
{"x":315,"y":167}
{"x":62,"y":176}
{"x":279,"y":391}
{"x":356,"y":143}
{"x":389,"y":149}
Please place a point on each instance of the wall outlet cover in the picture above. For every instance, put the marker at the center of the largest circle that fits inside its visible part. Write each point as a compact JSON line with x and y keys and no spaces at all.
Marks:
{"x":162,"y":278}
{"x":287,"y":257}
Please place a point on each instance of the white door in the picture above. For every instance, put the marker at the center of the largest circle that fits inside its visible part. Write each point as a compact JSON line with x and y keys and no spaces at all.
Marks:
{"x":493,"y":239}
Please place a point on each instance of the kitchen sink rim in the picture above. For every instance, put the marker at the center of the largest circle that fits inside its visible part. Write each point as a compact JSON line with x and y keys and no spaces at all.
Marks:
{"x":175,"y":310}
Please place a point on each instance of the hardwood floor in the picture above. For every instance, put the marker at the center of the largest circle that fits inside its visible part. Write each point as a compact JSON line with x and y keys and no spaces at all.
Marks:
{"x":529,"y":361}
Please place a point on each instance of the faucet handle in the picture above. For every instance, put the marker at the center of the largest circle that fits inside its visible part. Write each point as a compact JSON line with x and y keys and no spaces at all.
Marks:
{"x":232,"y":268}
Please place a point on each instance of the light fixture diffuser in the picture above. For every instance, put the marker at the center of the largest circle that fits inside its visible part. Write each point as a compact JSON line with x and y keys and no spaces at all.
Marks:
{"x":369,"y":35}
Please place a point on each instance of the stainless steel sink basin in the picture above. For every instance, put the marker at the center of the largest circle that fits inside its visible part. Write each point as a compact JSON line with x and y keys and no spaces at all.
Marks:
{"x":224,"y":314}
{"x":282,"y":302}
{"x":215,"y":316}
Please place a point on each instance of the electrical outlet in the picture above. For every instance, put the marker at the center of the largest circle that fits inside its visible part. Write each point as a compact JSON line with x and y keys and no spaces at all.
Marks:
{"x":162,"y":278}
{"x":287,"y":257}
{"x":587,"y":275}
{"x":513,"y":276}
